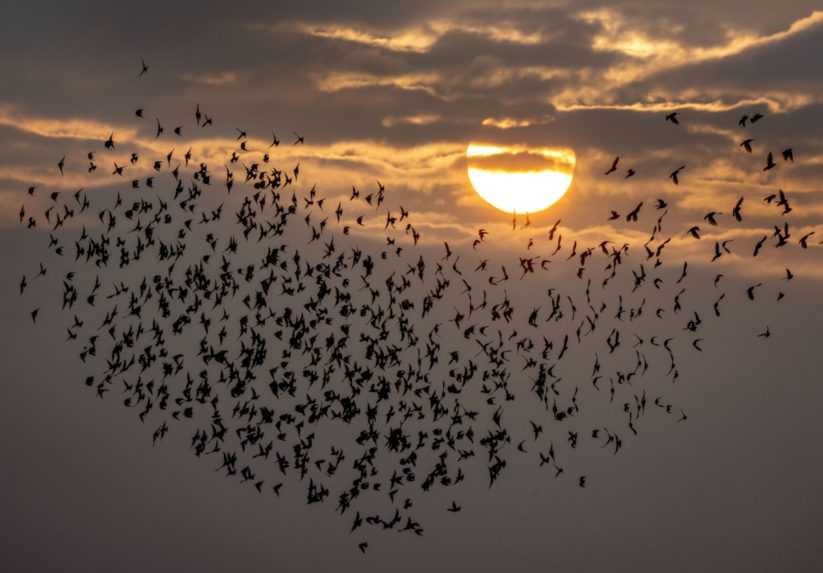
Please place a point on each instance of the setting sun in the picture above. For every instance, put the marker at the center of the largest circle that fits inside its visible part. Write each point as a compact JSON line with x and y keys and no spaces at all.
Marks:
{"x":520,"y":179}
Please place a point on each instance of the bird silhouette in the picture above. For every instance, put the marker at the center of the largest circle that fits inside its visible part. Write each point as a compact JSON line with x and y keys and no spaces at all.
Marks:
{"x":674,"y":174}
{"x":144,"y":69}
{"x":770,"y":164}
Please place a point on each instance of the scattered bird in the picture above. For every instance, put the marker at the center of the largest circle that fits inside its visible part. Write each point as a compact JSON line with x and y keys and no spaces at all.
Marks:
{"x":770,"y":164}
{"x":144,"y":69}
{"x":736,"y":211}
{"x":674,"y":174}
{"x":804,"y":240}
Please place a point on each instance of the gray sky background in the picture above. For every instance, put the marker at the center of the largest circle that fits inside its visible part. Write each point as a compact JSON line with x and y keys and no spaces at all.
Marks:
{"x":396,"y":91}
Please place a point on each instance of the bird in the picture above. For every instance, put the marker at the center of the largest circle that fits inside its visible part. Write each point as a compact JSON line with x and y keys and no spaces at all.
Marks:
{"x":144,"y":69}
{"x":674,"y":174}
{"x":788,"y":154}
{"x":750,"y":290}
{"x":613,"y":168}
{"x":747,"y":144}
{"x":736,"y":211}
{"x":633,"y":214}
{"x":804,"y":240}
{"x":783,"y":201}
{"x":770,"y":164}
{"x":672,"y":117}
{"x":759,"y":245}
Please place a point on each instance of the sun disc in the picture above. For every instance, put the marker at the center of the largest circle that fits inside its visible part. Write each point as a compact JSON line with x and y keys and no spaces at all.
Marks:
{"x":518,"y":179}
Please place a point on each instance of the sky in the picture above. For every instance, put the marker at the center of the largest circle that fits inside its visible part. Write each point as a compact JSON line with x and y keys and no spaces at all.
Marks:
{"x":396,"y":92}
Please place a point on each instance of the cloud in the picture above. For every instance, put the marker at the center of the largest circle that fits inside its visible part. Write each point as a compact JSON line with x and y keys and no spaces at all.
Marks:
{"x":63,"y":128}
{"x":337,"y":81}
{"x":420,"y":119}
{"x":652,"y":53}
{"x":421,"y":39}
{"x":521,"y":161}
{"x":212,"y":79}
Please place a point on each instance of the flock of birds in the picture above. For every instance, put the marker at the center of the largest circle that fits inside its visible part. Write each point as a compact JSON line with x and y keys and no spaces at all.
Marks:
{"x":363,"y":375}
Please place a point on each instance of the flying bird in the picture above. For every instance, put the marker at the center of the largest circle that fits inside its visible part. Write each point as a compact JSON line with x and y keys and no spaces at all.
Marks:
{"x":143,"y":68}
{"x":613,"y":168}
{"x":674,"y":174}
{"x":770,"y":164}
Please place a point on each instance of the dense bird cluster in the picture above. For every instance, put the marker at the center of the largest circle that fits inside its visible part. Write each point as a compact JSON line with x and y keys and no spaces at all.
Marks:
{"x":363,"y":375}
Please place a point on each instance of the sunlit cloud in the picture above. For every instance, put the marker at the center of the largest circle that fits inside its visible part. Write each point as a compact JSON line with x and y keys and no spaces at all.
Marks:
{"x":618,"y":34}
{"x":337,"y":81}
{"x":65,"y":128}
{"x":499,"y":74}
{"x":214,"y":80}
{"x":421,"y":39}
{"x":419,"y":119}
{"x":506,"y":122}
{"x":704,"y":101}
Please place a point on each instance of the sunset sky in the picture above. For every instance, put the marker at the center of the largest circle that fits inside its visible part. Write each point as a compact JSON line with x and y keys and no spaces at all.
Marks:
{"x":396,"y":92}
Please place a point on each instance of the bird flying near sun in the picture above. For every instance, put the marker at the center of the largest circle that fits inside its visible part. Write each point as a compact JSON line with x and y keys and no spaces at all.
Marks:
{"x":518,"y":179}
